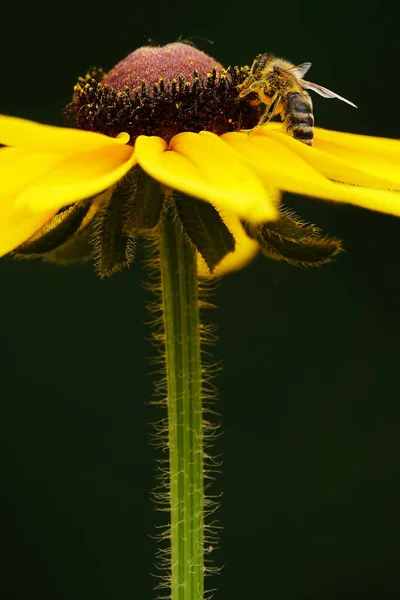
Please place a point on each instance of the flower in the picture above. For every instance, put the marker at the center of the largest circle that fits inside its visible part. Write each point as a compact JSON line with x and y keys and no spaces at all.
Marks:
{"x":166,"y":123}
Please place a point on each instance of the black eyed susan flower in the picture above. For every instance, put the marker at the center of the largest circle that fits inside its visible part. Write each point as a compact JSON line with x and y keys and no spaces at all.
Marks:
{"x":166,"y":125}
{"x":163,"y":145}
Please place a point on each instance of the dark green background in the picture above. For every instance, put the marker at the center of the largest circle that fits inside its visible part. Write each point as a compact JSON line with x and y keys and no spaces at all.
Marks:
{"x":310,"y":388}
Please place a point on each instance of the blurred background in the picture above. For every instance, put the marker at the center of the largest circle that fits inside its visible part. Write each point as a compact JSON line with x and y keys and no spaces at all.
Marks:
{"x":309,"y":393}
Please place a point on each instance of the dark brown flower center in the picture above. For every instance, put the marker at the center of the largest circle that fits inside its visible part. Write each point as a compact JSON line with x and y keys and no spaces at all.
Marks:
{"x":162,"y":91}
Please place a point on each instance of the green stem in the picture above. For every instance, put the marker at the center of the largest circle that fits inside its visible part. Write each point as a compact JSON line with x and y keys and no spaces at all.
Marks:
{"x":180,"y":303}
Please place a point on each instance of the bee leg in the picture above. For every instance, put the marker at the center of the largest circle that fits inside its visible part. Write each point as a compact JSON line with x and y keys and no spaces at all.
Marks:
{"x":268,"y":114}
{"x":251,"y":88}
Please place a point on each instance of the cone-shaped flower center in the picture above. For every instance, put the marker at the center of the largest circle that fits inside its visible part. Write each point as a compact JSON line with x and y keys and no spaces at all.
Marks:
{"x":150,"y":64}
{"x":162,"y":91}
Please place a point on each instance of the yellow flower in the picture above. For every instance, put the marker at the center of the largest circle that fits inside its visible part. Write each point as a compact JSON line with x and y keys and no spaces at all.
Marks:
{"x":56,"y":181}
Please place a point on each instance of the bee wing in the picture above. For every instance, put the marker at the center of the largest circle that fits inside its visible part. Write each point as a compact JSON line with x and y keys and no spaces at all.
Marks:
{"x":324,"y":92}
{"x":300,"y":70}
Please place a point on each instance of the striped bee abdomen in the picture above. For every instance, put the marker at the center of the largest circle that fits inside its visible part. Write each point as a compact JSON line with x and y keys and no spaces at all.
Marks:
{"x":298,"y":117}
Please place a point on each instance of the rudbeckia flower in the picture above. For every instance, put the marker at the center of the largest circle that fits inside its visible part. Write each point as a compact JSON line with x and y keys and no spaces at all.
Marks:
{"x":165,"y":125}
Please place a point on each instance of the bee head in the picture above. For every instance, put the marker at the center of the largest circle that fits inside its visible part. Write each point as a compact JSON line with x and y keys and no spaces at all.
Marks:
{"x":260,"y":64}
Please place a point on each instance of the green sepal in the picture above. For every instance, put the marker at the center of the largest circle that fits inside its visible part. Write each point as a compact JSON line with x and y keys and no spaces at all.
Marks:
{"x":145,"y":209}
{"x":113,"y":245}
{"x":58,"y":230}
{"x":78,"y":248}
{"x":205,"y":228}
{"x":292,"y":240}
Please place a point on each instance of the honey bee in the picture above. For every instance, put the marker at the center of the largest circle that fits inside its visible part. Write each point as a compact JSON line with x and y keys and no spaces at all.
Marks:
{"x":280,"y":86}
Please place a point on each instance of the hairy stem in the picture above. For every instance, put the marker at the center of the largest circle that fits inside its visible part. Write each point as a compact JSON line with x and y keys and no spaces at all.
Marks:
{"x":180,"y":305}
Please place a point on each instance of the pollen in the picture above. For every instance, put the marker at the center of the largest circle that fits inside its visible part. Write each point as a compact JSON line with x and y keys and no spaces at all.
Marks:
{"x":162,"y":91}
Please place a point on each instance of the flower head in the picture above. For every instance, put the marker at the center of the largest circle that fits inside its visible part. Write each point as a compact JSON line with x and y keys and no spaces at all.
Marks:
{"x":166,"y":125}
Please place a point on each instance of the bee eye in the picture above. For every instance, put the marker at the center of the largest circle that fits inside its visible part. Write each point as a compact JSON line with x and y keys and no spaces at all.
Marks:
{"x":258,"y":64}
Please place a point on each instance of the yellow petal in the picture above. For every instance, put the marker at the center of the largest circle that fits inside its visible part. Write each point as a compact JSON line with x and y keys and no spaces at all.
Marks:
{"x":204,"y":168}
{"x":342,"y":164}
{"x":18,"y":225}
{"x":245,"y":250}
{"x":9,"y":156}
{"x":368,"y":143}
{"x":19,"y":167}
{"x":273,"y":160}
{"x":78,"y":176}
{"x":28,"y":134}
{"x":368,"y":160}
{"x":387,"y":147}
{"x":376,"y":156}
